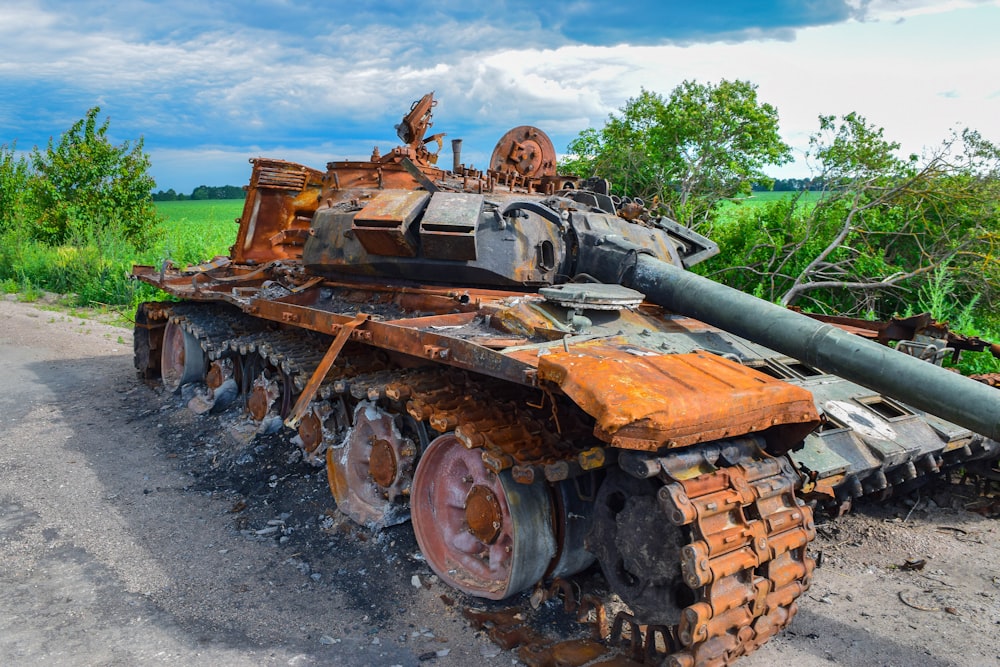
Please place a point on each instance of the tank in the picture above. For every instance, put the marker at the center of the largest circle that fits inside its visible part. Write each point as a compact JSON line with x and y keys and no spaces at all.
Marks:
{"x":521,"y":365}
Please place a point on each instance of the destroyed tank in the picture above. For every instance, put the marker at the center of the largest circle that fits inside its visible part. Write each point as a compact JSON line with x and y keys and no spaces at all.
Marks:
{"x":522,"y":365}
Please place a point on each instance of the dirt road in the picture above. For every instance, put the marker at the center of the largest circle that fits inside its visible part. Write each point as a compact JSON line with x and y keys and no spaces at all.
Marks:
{"x":135,"y":532}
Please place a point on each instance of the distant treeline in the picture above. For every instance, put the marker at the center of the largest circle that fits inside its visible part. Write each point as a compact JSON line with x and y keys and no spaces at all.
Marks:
{"x":202,"y":192}
{"x":792,"y":184}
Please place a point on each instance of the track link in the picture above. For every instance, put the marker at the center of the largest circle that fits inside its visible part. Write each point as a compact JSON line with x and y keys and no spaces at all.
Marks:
{"x":213,"y":326}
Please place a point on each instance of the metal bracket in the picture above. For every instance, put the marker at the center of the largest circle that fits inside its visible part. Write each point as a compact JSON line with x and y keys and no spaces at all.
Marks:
{"x":309,"y":392}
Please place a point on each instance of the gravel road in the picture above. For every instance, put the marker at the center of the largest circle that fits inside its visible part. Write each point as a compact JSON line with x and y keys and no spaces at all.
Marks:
{"x":133,"y":532}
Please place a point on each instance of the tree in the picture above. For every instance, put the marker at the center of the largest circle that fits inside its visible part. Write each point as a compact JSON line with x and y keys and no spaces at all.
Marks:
{"x":169,"y":195}
{"x":879,"y":225}
{"x":14,"y":172}
{"x":84,"y":184}
{"x":703,"y":144}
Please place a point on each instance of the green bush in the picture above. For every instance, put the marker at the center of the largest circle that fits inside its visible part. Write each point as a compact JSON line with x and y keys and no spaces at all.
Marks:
{"x":84,"y":184}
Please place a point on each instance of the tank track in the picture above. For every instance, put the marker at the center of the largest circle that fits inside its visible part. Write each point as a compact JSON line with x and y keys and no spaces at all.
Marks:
{"x":747,"y":557}
{"x":743,"y":557}
{"x":213,"y":326}
{"x":745,"y":560}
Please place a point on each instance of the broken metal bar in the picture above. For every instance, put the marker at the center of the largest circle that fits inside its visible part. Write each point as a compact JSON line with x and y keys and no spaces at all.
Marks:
{"x":307,"y":395}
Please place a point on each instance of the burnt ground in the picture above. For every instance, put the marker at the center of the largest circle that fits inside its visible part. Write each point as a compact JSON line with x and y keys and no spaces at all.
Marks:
{"x":135,"y":531}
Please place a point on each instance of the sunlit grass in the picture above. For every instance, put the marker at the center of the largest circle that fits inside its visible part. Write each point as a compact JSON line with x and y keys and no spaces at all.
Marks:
{"x":94,"y":273}
{"x":195,"y":231}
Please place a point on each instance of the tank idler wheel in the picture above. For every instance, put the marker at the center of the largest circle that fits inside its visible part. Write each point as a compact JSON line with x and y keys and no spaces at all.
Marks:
{"x":324,"y":423}
{"x":371,"y":472}
{"x":181,"y":358}
{"x":481,"y":532}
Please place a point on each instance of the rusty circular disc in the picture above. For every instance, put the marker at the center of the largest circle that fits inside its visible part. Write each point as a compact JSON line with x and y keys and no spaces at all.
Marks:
{"x":382,"y":463}
{"x":370,"y":473}
{"x":261,"y":397}
{"x":218,"y":372}
{"x":483,"y":514}
{"x":311,"y":431}
{"x":214,"y":377}
{"x":452,"y":486}
{"x":524,"y":150}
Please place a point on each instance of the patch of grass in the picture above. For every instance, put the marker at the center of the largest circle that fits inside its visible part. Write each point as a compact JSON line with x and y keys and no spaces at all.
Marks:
{"x":196,"y":231}
{"x":94,"y":271}
{"x":730,"y":208}
{"x":29,"y":293}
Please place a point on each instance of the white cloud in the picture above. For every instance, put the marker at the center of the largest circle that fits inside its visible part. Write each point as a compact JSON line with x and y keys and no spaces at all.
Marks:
{"x":212,"y":82}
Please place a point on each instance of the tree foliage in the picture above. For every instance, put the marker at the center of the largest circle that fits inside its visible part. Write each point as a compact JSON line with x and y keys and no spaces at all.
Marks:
{"x":686,"y":152}
{"x":880,"y":228}
{"x":84,"y":184}
{"x":14,"y":172}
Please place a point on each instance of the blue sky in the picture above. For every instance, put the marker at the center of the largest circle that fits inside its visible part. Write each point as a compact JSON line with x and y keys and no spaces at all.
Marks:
{"x":211,"y":84}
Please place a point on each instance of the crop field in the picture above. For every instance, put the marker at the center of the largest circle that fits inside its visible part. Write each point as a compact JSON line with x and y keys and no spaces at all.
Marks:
{"x":94,"y":272}
{"x":728,"y":210}
{"x":197,"y":230}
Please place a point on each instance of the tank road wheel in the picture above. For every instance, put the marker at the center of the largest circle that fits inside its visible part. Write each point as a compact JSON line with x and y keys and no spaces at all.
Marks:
{"x":482,"y":533}
{"x":271,"y":395}
{"x":264,"y":392}
{"x":181,"y":359}
{"x":371,"y":472}
{"x":324,"y":423}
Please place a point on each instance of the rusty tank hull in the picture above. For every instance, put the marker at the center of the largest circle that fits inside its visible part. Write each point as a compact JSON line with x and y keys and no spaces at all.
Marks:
{"x":521,"y":365}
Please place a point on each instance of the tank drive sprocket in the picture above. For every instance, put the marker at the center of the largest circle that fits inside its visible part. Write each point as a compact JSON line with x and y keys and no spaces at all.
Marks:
{"x":718,"y":558}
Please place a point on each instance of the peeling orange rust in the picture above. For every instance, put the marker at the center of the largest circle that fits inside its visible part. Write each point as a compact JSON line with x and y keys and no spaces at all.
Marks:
{"x":505,"y":627}
{"x":710,"y":397}
{"x":280,"y":202}
{"x":570,"y":653}
{"x":509,"y":629}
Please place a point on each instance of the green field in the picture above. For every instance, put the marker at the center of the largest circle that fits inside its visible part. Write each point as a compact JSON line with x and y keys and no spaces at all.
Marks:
{"x":810,"y":195}
{"x":729,"y":208}
{"x":95,"y":272}
{"x":197,"y":230}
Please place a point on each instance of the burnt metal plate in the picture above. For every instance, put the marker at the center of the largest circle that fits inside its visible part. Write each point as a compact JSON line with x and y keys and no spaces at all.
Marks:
{"x":448,"y":228}
{"x":645,"y":402}
{"x":392,"y":208}
{"x":592,"y":296}
{"x":383,"y":224}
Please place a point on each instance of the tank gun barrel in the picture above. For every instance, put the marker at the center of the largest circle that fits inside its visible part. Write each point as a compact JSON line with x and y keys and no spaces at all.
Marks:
{"x":923,"y":385}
